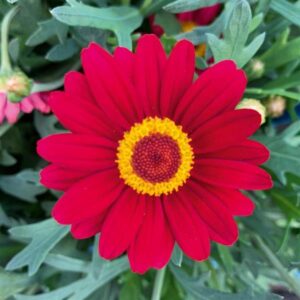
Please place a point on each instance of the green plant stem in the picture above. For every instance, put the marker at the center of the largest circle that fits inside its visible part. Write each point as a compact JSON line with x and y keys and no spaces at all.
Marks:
{"x":145,"y":5}
{"x":5,"y":60}
{"x":275,"y":262}
{"x":158,"y":284}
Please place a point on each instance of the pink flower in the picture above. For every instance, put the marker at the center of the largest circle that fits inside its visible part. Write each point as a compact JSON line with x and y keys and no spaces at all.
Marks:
{"x":10,"y":110}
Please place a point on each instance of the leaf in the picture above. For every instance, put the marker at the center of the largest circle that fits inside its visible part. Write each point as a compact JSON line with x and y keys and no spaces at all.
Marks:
{"x":46,"y":125}
{"x":275,"y":91}
{"x":288,"y":10}
{"x":177,"y":256}
{"x":168,"y":22}
{"x":285,"y":151}
{"x":236,"y":33}
{"x":61,"y":52}
{"x":281,"y":54}
{"x":195,"y":287}
{"x":27,"y":183}
{"x":255,"y":22}
{"x":46,"y":30}
{"x":82,"y":288}
{"x":284,"y":82}
{"x":49,"y":86}
{"x":189,"y":5}
{"x":122,"y":20}
{"x":44,"y":236}
{"x":12,"y":283}
{"x":6,"y":159}
{"x":287,"y":201}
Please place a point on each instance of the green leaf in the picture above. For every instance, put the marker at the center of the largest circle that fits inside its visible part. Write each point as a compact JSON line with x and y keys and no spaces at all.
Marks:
{"x":281,"y":53}
{"x":61,"y":52}
{"x":285,"y":151}
{"x":288,"y":10}
{"x":255,"y":22}
{"x":46,"y":30}
{"x":27,"y":183}
{"x":44,"y":236}
{"x":195,"y":287}
{"x":46,"y":125}
{"x":189,"y":5}
{"x":233,"y":45}
{"x":65,"y":263}
{"x":122,"y":20}
{"x":168,"y":22}
{"x":12,"y":283}
{"x":271,"y":92}
{"x":82,"y":288}
{"x":284,"y":82}
{"x":287,"y":201}
{"x":177,"y":256}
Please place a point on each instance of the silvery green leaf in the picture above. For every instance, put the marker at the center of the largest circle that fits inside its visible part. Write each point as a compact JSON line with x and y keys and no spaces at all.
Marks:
{"x":12,"y":283}
{"x":285,"y":149}
{"x":61,"y":52}
{"x":179,"y":6}
{"x":43,"y":238}
{"x":177,"y":256}
{"x":122,"y":20}
{"x":24,"y":185}
{"x":290,"y":11}
{"x":82,"y":288}
{"x":66,"y":263}
{"x":233,"y":45}
{"x":196,"y":288}
{"x":46,"y":30}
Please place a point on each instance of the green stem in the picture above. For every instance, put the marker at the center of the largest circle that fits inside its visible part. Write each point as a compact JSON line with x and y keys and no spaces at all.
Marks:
{"x":275,"y":262}
{"x":145,"y":5}
{"x":158,"y":284}
{"x":5,"y":60}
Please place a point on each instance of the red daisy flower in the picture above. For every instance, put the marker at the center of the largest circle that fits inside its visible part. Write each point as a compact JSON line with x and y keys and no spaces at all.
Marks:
{"x":153,"y":158}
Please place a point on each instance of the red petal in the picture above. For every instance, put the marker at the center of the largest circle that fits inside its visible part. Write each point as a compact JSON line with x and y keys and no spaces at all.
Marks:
{"x":229,"y":129}
{"x":178,"y":77}
{"x":149,"y":67}
{"x":87,"y":198}
{"x":217,"y":90}
{"x":231,"y":174}
{"x":153,"y":245}
{"x":88,"y":228}
{"x":236,"y":202}
{"x":220,"y":223}
{"x":80,"y":115}
{"x":111,"y":88}
{"x":189,"y":231}
{"x":125,"y":59}
{"x":54,"y":177}
{"x":76,"y":85}
{"x":78,"y":152}
{"x":121,"y":224}
{"x":247,"y":151}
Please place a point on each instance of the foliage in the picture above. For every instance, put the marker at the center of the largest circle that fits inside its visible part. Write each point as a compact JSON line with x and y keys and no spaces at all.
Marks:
{"x":38,"y":258}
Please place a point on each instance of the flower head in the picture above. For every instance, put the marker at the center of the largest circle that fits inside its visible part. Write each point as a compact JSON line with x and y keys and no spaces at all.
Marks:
{"x":153,"y":157}
{"x":276,"y":106}
{"x":15,"y":97}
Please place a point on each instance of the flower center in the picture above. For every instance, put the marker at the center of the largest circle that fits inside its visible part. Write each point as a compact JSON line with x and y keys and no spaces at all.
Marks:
{"x":155,"y":157}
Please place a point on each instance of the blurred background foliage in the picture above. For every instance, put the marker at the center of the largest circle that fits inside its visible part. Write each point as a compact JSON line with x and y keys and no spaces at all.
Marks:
{"x":40,"y":260}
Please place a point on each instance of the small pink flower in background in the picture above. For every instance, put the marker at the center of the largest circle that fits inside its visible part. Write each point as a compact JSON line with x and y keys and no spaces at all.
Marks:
{"x":15,"y":97}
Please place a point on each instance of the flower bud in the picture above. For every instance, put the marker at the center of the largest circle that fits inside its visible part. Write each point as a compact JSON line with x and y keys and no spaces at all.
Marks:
{"x":16,"y":85}
{"x":275,"y":106}
{"x":255,"y":69}
{"x":255,"y":105}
